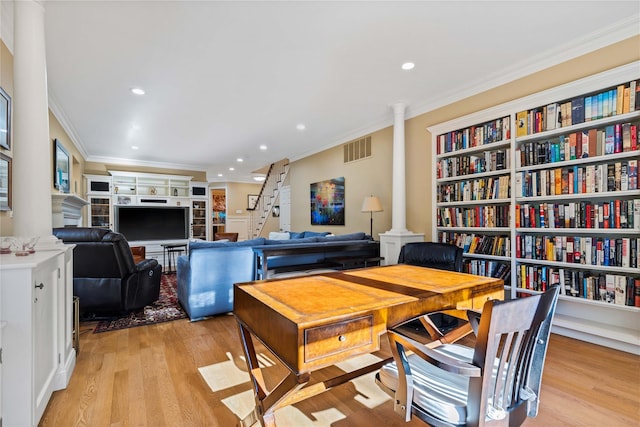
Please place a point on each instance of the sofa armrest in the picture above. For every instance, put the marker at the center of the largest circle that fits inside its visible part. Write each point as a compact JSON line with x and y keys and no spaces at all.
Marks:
{"x":146,"y":264}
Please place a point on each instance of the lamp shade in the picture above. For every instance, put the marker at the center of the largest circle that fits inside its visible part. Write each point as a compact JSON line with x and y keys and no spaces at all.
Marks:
{"x":371,"y":204}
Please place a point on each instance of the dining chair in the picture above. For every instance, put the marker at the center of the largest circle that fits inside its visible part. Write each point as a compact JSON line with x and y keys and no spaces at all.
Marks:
{"x":495,"y":383}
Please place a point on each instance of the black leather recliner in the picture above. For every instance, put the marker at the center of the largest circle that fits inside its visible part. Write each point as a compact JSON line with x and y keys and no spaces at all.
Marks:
{"x":442,"y":256}
{"x":105,"y":277}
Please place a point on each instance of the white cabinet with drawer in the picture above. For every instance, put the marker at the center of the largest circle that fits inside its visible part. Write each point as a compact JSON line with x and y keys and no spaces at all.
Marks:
{"x":36,"y":307}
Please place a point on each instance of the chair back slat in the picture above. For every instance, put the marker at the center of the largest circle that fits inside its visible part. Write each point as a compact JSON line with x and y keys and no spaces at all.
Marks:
{"x":501,"y":339}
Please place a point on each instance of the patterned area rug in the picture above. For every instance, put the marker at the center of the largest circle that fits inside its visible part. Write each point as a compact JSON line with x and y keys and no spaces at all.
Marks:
{"x":167,"y":308}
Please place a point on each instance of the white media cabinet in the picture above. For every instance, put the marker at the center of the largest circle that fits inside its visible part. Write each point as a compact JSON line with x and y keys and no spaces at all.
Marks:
{"x":120,"y":188}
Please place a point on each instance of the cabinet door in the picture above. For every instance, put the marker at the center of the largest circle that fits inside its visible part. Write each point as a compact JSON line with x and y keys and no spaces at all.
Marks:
{"x":199,"y":219}
{"x":100,"y":212}
{"x":45,"y":355}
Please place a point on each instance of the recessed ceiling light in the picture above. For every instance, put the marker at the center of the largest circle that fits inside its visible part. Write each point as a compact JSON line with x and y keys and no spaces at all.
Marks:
{"x":258,"y":178}
{"x":137,"y":91}
{"x":301,"y":126}
{"x":240,"y":160}
{"x":134,"y":147}
{"x":408,"y":66}
{"x":219,"y":174}
{"x":263,"y":147}
{"x":232,"y":169}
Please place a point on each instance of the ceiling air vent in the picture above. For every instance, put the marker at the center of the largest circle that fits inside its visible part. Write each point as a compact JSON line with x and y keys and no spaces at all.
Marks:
{"x":358,"y":149}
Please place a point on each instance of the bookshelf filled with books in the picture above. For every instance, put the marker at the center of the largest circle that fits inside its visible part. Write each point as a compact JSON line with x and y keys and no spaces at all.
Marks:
{"x":570,"y":212}
{"x":473,"y":194}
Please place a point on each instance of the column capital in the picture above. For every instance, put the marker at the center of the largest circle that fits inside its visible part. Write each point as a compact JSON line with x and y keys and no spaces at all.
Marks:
{"x":399,"y":107}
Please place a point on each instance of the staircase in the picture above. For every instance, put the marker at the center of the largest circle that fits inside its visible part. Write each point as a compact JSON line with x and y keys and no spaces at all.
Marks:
{"x":268,"y":195}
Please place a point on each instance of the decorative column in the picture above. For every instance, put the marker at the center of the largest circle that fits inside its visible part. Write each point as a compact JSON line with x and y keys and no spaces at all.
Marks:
{"x":399,"y":194}
{"x":392,"y":241}
{"x":31,"y":146}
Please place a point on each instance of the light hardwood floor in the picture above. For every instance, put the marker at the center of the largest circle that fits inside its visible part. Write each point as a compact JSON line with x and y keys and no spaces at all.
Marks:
{"x":148,"y":376}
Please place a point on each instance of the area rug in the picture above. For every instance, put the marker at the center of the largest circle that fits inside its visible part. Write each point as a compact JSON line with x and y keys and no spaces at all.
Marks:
{"x":167,"y":308}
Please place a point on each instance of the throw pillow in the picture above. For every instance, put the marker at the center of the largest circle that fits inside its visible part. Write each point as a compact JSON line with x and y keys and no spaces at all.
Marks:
{"x":274,"y":235}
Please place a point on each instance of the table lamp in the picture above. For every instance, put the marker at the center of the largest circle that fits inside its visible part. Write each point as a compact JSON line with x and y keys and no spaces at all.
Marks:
{"x":371,"y":204}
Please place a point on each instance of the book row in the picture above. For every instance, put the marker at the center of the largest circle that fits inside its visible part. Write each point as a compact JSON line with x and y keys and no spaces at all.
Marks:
{"x":588,"y":179}
{"x":618,"y":138}
{"x":474,"y":136}
{"x":489,"y":161}
{"x":609,"y":288}
{"x":484,"y":244}
{"x":478,"y":189}
{"x":488,"y":268}
{"x":477,"y":216}
{"x":618,"y":214}
{"x":620,"y":99}
{"x":595,"y":251}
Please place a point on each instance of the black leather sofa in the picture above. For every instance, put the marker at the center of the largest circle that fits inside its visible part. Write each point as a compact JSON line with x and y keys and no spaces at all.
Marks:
{"x":105,"y":277}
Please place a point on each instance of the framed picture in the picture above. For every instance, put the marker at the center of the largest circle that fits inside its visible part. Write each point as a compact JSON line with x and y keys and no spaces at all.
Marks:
{"x":5,"y":183}
{"x":61,"y":167}
{"x":252,"y":199}
{"x":5,"y":119}
{"x":327,"y":202}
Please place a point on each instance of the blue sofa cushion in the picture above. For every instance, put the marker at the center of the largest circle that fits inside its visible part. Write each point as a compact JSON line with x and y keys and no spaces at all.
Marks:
{"x":343,"y":237}
{"x":315,"y":234}
{"x":203,"y":244}
{"x":296,"y":235}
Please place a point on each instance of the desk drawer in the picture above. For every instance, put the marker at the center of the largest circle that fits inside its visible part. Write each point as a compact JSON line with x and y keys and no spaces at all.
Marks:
{"x":477,"y":302}
{"x":338,"y":337}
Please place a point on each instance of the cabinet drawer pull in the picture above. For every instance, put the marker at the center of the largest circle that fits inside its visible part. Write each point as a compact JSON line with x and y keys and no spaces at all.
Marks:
{"x":40,"y":286}
{"x":342,"y":338}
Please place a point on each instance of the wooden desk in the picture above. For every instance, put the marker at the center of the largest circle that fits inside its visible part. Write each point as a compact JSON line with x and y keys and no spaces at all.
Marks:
{"x":313,"y":322}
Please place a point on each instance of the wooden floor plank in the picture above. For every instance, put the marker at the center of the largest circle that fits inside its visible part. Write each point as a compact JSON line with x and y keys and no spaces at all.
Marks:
{"x":148,"y":376}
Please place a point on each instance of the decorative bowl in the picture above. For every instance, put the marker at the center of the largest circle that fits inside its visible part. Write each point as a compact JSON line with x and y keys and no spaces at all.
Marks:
{"x":23,"y":246}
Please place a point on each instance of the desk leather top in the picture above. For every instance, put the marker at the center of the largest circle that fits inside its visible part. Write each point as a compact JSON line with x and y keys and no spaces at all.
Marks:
{"x":332,"y":295}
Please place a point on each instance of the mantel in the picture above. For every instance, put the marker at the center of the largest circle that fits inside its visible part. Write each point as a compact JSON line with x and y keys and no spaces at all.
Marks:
{"x":67,"y":209}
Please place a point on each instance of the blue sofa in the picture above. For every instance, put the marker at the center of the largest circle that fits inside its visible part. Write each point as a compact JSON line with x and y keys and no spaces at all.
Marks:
{"x":206,"y":276}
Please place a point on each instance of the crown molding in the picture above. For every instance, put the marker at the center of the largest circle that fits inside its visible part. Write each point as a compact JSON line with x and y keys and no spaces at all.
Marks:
{"x":60,"y":115}
{"x":144,"y":163}
{"x":616,"y":32}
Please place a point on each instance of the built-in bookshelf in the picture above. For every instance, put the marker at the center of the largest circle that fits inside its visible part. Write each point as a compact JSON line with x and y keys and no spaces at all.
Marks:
{"x":544,"y":190}
{"x":473,"y":194}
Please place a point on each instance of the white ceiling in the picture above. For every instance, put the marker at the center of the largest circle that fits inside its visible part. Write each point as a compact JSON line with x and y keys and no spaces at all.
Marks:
{"x":223,"y":78}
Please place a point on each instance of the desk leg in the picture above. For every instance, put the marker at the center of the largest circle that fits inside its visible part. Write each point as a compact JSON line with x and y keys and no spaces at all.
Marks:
{"x":266,"y":401}
{"x":291,"y":389}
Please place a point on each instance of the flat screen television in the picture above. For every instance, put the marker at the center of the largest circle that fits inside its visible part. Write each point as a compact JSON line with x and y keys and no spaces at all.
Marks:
{"x":152,"y":222}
